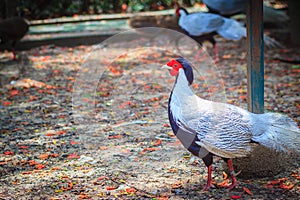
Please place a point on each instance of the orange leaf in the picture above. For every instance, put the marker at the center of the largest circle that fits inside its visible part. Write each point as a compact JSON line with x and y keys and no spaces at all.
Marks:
{"x":73,"y":155}
{"x":43,"y":156}
{"x":82,"y":195}
{"x":149,"y":149}
{"x":274,"y":182}
{"x":115,"y":136}
{"x":296,"y":174}
{"x":32,"y":162}
{"x":68,"y":188}
{"x":39,"y":166}
{"x":176,"y":185}
{"x":247,"y":191}
{"x":55,"y":168}
{"x":103,"y":147}
{"x":223,"y":184}
{"x":286,"y":187}
{"x":226,"y":56}
{"x":225,"y":176}
{"x":268,"y":186}
{"x":158,"y":142}
{"x":282,"y":179}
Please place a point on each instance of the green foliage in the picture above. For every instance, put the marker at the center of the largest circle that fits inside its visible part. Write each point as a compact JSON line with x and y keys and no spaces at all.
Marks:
{"x":43,"y":9}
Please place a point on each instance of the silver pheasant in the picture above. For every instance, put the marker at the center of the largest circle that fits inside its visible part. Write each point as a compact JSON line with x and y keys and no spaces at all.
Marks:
{"x":208,"y":128}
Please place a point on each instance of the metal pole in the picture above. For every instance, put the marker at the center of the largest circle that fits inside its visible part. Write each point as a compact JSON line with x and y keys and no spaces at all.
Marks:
{"x":255,"y":62}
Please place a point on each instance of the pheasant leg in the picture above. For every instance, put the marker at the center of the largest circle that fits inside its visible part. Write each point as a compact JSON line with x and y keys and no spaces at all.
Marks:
{"x":209,"y":179}
{"x":233,"y":175}
{"x":208,"y":160}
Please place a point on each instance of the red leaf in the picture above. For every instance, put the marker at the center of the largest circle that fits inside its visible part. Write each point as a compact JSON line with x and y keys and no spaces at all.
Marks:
{"x":243,"y":97}
{"x":6,"y":103}
{"x":236,"y":196}
{"x":130,"y":190}
{"x":111,"y":188}
{"x":54,"y":155}
{"x":39,"y":166}
{"x":73,"y":155}
{"x":73,"y":143}
{"x":8,"y":153}
{"x":27,"y":172}
{"x":101,"y":178}
{"x":60,"y":132}
{"x":14,"y":92}
{"x":166,"y":125}
{"x":24,"y":147}
{"x":247,"y":191}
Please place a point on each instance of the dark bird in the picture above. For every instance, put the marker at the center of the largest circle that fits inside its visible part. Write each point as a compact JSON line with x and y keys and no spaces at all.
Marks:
{"x":228,"y":8}
{"x":11,"y":31}
{"x":207,"y":128}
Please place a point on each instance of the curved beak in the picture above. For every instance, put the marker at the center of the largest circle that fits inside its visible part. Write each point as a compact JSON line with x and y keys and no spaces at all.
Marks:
{"x":166,"y":67}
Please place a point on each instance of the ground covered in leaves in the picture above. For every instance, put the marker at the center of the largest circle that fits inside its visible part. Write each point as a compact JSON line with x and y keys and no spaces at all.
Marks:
{"x":53,"y":147}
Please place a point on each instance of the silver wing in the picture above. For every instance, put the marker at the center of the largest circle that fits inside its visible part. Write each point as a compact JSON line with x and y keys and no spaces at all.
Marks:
{"x":222,"y":129}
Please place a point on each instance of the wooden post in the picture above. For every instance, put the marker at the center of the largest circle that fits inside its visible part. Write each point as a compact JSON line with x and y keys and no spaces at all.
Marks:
{"x":262,"y":161}
{"x":255,"y":62}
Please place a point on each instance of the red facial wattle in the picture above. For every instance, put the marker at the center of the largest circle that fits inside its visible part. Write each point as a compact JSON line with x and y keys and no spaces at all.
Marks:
{"x":173,"y":72}
{"x":175,"y":67}
{"x":177,"y":12}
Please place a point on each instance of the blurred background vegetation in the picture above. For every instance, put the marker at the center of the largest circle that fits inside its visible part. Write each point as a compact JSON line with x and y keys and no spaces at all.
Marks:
{"x":44,"y":9}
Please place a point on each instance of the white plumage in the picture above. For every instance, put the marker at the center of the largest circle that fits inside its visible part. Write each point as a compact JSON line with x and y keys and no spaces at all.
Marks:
{"x":227,"y":130}
{"x":208,"y":128}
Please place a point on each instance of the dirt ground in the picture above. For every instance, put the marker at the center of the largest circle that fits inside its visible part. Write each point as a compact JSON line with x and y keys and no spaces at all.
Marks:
{"x":91,"y":122}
